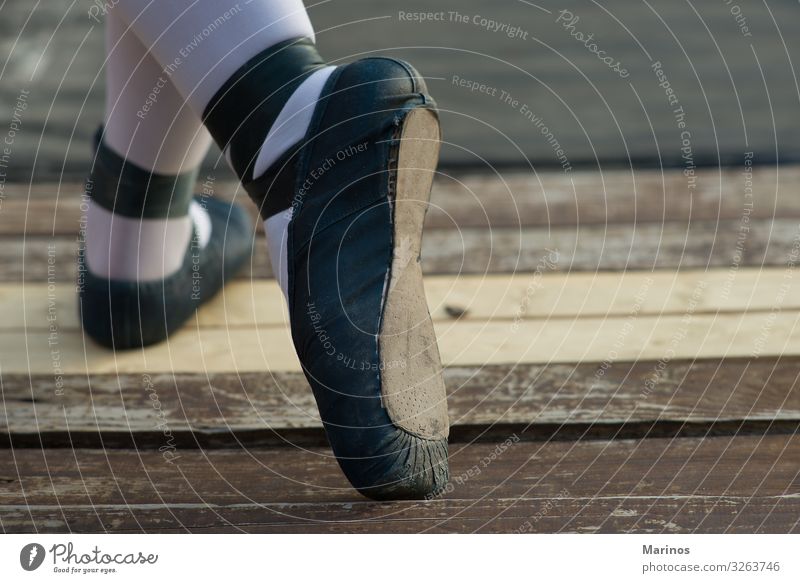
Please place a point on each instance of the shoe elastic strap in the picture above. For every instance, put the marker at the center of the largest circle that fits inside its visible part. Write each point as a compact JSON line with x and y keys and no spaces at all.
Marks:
{"x":128,"y":190}
{"x":241,"y":113}
{"x":273,"y":191}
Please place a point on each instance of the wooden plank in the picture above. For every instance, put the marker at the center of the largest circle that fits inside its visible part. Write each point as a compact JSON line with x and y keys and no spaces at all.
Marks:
{"x":702,"y":244}
{"x":716,"y":484}
{"x":59,"y":209}
{"x":586,"y":197}
{"x":540,"y":401}
{"x":695,"y":515}
{"x":522,"y":296}
{"x":529,"y":296}
{"x":506,"y":199}
{"x":461,"y":343}
{"x":41,"y":259}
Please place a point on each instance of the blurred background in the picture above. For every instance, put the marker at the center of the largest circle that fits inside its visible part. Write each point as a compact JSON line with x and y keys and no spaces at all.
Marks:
{"x":520,"y":83}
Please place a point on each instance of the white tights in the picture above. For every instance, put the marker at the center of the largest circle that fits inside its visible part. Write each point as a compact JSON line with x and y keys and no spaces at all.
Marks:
{"x":182,"y":52}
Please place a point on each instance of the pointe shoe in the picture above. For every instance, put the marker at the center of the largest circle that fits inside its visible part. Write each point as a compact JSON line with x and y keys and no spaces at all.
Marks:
{"x":359,"y":318}
{"x":123,"y":314}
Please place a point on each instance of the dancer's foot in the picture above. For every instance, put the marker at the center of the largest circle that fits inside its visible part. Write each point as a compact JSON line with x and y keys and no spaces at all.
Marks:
{"x":359,"y":318}
{"x":352,"y":151}
{"x":166,"y":279}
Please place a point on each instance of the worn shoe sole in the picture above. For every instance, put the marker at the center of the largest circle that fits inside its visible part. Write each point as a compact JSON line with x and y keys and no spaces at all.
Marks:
{"x":412,"y":386}
{"x":360,"y":322}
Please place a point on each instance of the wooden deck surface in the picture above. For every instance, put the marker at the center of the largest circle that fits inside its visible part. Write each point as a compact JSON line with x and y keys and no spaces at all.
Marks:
{"x":616,"y":360}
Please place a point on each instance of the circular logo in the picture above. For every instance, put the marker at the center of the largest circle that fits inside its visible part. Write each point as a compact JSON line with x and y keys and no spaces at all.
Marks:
{"x":31,"y":556}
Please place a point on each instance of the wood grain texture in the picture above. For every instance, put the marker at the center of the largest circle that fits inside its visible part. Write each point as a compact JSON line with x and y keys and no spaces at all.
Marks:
{"x":693,"y":515}
{"x":726,"y":244}
{"x":505,"y":199}
{"x":524,"y":296}
{"x":541,"y":401}
{"x":587,"y":392}
{"x":719,"y":484}
{"x":461,"y":343}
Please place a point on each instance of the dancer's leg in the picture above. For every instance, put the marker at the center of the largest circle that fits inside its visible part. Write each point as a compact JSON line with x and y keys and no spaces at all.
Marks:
{"x":351,"y":151}
{"x":153,"y":253}
{"x":148,"y":125}
{"x":202,"y":45}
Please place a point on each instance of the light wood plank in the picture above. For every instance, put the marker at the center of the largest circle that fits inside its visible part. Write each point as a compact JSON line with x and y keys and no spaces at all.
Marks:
{"x":461,"y":343}
{"x":523,"y":296}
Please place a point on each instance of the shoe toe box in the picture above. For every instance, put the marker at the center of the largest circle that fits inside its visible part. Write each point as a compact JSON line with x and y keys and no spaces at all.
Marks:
{"x":403,"y":467}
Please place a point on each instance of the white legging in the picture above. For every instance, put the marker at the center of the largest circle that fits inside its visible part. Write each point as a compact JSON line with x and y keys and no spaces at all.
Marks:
{"x":146,"y":118}
{"x":166,"y":60}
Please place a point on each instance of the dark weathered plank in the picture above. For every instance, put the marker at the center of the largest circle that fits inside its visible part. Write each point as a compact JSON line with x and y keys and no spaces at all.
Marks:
{"x":540,"y":401}
{"x":555,"y":199}
{"x":506,"y":199}
{"x":58,"y":209}
{"x":38,"y":258}
{"x":702,"y":244}
{"x":695,"y":515}
{"x":718,"y":484}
